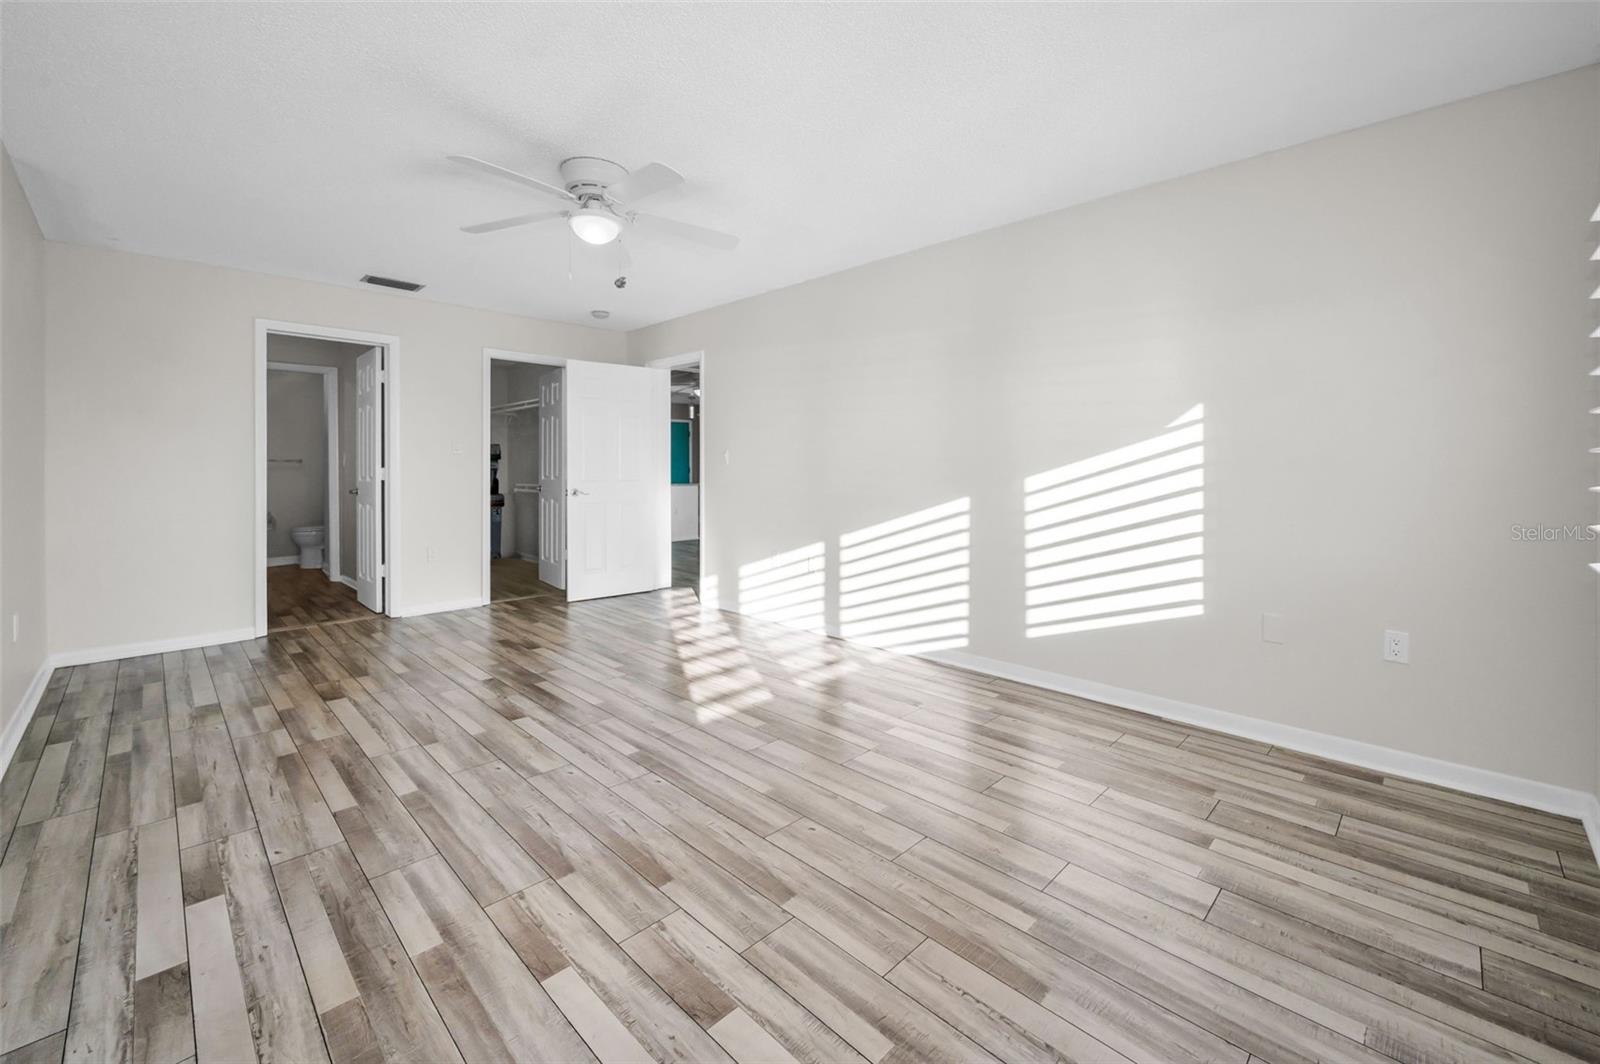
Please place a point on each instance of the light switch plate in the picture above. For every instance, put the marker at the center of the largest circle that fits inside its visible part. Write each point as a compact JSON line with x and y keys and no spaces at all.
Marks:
{"x":1274,"y":629}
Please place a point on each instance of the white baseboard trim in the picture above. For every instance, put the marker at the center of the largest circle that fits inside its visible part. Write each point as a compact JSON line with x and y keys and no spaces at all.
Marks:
{"x":1479,"y":781}
{"x":441,"y":607}
{"x":22,"y":716}
{"x":347,"y":581}
{"x":287,"y":559}
{"x":1591,"y":824}
{"x":89,"y":655}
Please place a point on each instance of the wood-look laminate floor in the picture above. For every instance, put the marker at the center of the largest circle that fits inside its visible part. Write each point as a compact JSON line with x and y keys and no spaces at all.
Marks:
{"x":298,"y":597}
{"x":625,"y":830}
{"x":511,"y":578}
{"x":686,"y":563}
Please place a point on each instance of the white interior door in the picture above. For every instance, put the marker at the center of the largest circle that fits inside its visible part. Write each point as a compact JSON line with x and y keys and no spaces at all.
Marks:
{"x":619,"y":479}
{"x":369,"y":480}
{"x":552,"y":481}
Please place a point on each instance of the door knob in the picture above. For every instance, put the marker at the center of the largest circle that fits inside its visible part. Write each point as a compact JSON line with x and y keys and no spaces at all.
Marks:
{"x":354,"y":491}
{"x":577,"y":491}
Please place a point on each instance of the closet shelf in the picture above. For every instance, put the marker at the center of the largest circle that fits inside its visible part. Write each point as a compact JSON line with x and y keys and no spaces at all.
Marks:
{"x":516,"y":407}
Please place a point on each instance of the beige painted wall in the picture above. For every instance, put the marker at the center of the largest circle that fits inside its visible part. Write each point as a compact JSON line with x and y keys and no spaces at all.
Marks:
{"x":22,"y":444}
{"x":1387,"y":331}
{"x":159,"y":356}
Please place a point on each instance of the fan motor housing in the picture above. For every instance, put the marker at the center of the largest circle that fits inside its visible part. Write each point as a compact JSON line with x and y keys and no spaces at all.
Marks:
{"x":585,"y":175}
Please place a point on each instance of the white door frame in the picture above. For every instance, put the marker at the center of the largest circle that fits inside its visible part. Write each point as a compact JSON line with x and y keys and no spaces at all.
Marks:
{"x":265,"y":327}
{"x":330,"y":414}
{"x":672,"y":362}
{"x":492,"y":355}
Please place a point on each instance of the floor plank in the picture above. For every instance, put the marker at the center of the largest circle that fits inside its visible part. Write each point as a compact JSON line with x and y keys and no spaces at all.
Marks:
{"x":289,"y":809}
{"x":131,"y":1000}
{"x":493,"y":1005}
{"x":621,"y":1012}
{"x":1010,"y":1025}
{"x":847,"y":920}
{"x":250,"y":995}
{"x":712,"y":894}
{"x":488,"y":860}
{"x":18,"y":778}
{"x":605,"y":886}
{"x":371,"y":1003}
{"x":375,"y":823}
{"x":880,"y":1021}
{"x":43,"y":880}
{"x":730,"y":997}
{"x":211,"y":797}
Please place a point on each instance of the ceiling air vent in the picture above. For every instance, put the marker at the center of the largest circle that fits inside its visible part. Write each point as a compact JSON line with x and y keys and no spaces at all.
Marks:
{"x":390,"y":282}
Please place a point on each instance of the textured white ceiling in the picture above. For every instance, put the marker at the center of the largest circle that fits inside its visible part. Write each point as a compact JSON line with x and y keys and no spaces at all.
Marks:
{"x":308,"y":139}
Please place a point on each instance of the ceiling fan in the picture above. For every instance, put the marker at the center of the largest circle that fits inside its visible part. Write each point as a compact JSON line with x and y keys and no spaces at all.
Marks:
{"x":598,"y":195}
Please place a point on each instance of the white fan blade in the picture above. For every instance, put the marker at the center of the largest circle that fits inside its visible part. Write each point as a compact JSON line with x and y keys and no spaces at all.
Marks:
{"x":645,"y":181}
{"x":699,"y":234}
{"x":512,"y":223}
{"x":512,"y":175}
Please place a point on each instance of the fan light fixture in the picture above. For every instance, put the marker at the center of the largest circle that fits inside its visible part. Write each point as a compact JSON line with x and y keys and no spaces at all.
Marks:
{"x":597,"y":202}
{"x":593,"y":225}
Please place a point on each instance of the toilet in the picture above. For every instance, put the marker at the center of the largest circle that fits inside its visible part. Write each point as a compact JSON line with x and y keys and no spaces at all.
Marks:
{"x":310,"y":539}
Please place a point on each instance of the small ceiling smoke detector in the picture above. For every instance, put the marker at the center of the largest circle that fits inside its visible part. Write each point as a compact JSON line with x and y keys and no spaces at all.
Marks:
{"x":601,"y":314}
{"x":390,"y":282}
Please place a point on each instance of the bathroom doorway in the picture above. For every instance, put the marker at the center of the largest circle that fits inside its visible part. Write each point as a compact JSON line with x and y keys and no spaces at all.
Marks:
{"x":324,"y":476}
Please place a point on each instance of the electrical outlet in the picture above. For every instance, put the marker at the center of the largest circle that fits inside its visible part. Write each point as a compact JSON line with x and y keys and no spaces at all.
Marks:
{"x":430,"y":554}
{"x":1397,"y":647}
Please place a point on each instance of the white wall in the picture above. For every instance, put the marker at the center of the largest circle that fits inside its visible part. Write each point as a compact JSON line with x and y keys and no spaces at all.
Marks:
{"x":22,"y":439}
{"x":150,"y":413}
{"x":297,"y":457}
{"x":1387,"y":331}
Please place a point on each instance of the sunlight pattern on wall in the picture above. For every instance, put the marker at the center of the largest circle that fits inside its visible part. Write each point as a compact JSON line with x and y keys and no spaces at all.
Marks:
{"x":788,"y":588}
{"x":1117,"y":539}
{"x":904,"y":584}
